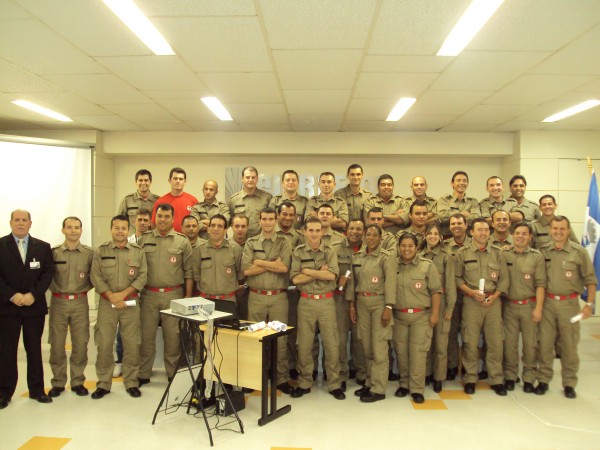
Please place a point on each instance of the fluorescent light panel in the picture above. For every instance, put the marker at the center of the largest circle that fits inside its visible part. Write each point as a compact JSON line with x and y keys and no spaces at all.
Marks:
{"x":471,"y":22}
{"x":136,"y":21}
{"x":41,"y":110}
{"x":588,"y":104}
{"x":216,"y":107}
{"x":400,"y":109}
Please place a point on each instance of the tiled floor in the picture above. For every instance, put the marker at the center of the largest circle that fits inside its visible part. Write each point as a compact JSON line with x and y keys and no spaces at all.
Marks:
{"x":450,"y":420}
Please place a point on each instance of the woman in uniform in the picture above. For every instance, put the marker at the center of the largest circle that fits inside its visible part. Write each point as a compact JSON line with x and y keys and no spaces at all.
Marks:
{"x":371,"y":291}
{"x":416,"y":313}
{"x":435,"y":251}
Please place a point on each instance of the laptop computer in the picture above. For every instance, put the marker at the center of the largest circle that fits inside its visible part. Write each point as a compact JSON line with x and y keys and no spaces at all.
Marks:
{"x":234,"y":321}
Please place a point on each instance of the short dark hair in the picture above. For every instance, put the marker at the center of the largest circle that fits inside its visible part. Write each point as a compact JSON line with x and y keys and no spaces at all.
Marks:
{"x":410,"y":236}
{"x":458,"y":216}
{"x":354,"y":166}
{"x":142,"y":172}
{"x":517,"y":177}
{"x":359,"y":220}
{"x":523,"y":224}
{"x":385,"y":176}
{"x":491,"y":178}
{"x":479,"y":220}
{"x":287,"y":205}
{"x":327,"y":174}
{"x":251,"y":169}
{"x":561,"y":219}
{"x":375,"y":227}
{"x":189,"y":217}
{"x":376,"y":209}
{"x":166,"y":207}
{"x":293,"y":172}
{"x":311,"y":220}
{"x":177,"y":170}
{"x":325,"y":205}
{"x":143,"y":212}
{"x":417,"y":203}
{"x":547,"y":196}
{"x":460,"y":172}
{"x":218,"y":217}
{"x":240,"y":216}
{"x":122,"y":217}
{"x":72,"y":218}
{"x":267,"y":211}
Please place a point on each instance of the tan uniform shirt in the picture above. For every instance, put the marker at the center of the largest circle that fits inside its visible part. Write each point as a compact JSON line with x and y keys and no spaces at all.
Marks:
{"x":541,"y":232}
{"x":340,"y":210}
{"x":407,"y":203}
{"x":450,"y":204}
{"x":502,"y":245}
{"x":169,"y":258}
{"x":444,"y":263}
{"x":389,"y":208}
{"x":452,"y":246}
{"x":472,"y":264}
{"x":527,"y":272}
{"x":250,"y":205}
{"x":269,"y":249}
{"x":389,"y":242}
{"x":132,"y":203}
{"x":373,"y":273}
{"x":299,"y":202}
{"x":354,"y":202}
{"x":568,"y":270}
{"x":489,"y":206}
{"x":416,"y":282}
{"x":330,"y":237}
{"x":116,"y":269}
{"x":305,"y":257}
{"x":217,"y":270}
{"x":204,"y":211}
{"x":293,"y":236}
{"x":71,"y":269}
{"x":344,"y":252}
{"x":530,"y":210}
{"x":411,"y":230}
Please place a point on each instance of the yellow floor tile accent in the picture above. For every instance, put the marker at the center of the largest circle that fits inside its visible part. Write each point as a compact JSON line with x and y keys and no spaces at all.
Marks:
{"x":259,"y":393}
{"x":90,"y":385}
{"x":483,"y":386}
{"x":596,"y":336}
{"x":45,"y":443}
{"x":454,"y":395}
{"x":68,"y":347}
{"x":430,"y":405}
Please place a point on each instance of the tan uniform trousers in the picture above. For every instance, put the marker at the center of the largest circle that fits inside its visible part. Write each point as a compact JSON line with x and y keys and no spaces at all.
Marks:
{"x":105,"y":331}
{"x":292,"y":350}
{"x":455,"y":326}
{"x":412,"y":340}
{"x":517,"y":319}
{"x":437,"y":358}
{"x":375,"y":340}
{"x":478,"y":318}
{"x":556,"y":319}
{"x":73,"y":316}
{"x":347,"y":329}
{"x":152,"y":304}
{"x":269,"y":308}
{"x":310,"y":314}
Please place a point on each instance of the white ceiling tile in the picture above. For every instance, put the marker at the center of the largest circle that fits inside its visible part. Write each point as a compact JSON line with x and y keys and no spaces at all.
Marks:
{"x":540,"y":112}
{"x":153,"y":72}
{"x":447,"y":102}
{"x":100,"y":88}
{"x":169,"y":126}
{"x":317,"y":24}
{"x":218,"y":44}
{"x":592,"y":87}
{"x":7,"y":124}
{"x":243,"y":87}
{"x":412,"y":122}
{"x":467,"y":127}
{"x":519,"y":126}
{"x":484,"y":71}
{"x":213,"y":125}
{"x":409,"y":63}
{"x":375,"y":126}
{"x":362,"y":109}
{"x":258,"y":113}
{"x":15,"y":79}
{"x":491,"y":114}
{"x":10,"y":10}
{"x":265,"y":127}
{"x":35,"y":47}
{"x":170,"y":8}
{"x":307,"y":122}
{"x":316,"y":102}
{"x":187,"y":108}
{"x":108,"y":123}
{"x":393,"y":85}
{"x":317,"y":69}
{"x":174,"y":93}
{"x":65,"y":103}
{"x":138,"y":113}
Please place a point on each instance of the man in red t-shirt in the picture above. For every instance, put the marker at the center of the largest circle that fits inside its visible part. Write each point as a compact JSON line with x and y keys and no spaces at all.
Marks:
{"x":182,"y":202}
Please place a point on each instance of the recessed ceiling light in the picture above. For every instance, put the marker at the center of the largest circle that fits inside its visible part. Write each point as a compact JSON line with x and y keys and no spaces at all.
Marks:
{"x":216,"y":107}
{"x":41,"y":110}
{"x":400,"y":109}
{"x":588,"y":104}
{"x":473,"y":20}
{"x":136,"y":21}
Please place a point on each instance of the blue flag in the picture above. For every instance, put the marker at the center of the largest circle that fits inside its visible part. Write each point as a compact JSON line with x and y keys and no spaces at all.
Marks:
{"x":591,"y":227}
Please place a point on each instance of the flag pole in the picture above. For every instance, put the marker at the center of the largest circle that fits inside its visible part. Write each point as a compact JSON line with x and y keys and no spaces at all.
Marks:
{"x":589,"y":164}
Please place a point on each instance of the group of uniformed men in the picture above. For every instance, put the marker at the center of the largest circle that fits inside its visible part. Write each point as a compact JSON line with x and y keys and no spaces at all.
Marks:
{"x":287,"y":260}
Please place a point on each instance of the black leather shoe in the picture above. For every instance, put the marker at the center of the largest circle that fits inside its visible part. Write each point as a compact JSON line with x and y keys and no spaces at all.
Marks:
{"x":3,"y":403}
{"x":541,"y":388}
{"x":294,"y":374}
{"x":371,"y":397}
{"x":499,"y":389}
{"x":343,"y":388}
{"x":338,"y":394}
{"x":509,"y":385}
{"x":483,"y":375}
{"x":528,"y":388}
{"x":401,"y":392}
{"x":360,"y":382}
{"x":362,"y":391}
{"x":418,"y":398}
{"x":134,"y":392}
{"x":99,"y":393}
{"x":392,"y":376}
{"x":143,"y":381}
{"x":80,"y":390}
{"x":469,"y":388}
{"x":437,"y":386}
{"x":286,"y":388}
{"x":55,"y":391}
{"x":570,"y":392}
{"x":299,"y":392}
{"x":451,"y":373}
{"x":428,"y":380}
{"x":41,"y":398}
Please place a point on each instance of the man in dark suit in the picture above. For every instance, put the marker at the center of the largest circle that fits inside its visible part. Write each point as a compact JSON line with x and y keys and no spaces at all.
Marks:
{"x":26,"y":270}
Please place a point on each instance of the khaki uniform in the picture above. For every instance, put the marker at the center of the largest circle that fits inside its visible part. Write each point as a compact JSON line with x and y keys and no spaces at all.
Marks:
{"x":437,"y":361}
{"x":116,"y":269}
{"x":69,"y":311}
{"x":268,"y":291}
{"x":416,"y":282}
{"x":217,"y":270}
{"x":340,"y":210}
{"x":450,"y":204}
{"x":568,"y":272}
{"x":373,"y":286}
{"x":169,"y":265}
{"x":530,"y":210}
{"x":293,"y":236}
{"x":354,"y":202}
{"x":489,"y":206}
{"x":250,"y":205}
{"x":453,"y":345}
{"x":472,"y":264}
{"x":407,"y":203}
{"x":389,"y":207}
{"x":204,"y":211}
{"x":527,"y":272}
{"x":501,"y":244}
{"x":420,"y":236}
{"x":317,"y":311}
{"x":132,"y":203}
{"x":541,"y":232}
{"x":299,"y":202}
{"x":389,"y":242}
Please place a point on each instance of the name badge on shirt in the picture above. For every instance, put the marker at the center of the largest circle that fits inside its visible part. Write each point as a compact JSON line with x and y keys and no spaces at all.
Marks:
{"x":34,"y":264}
